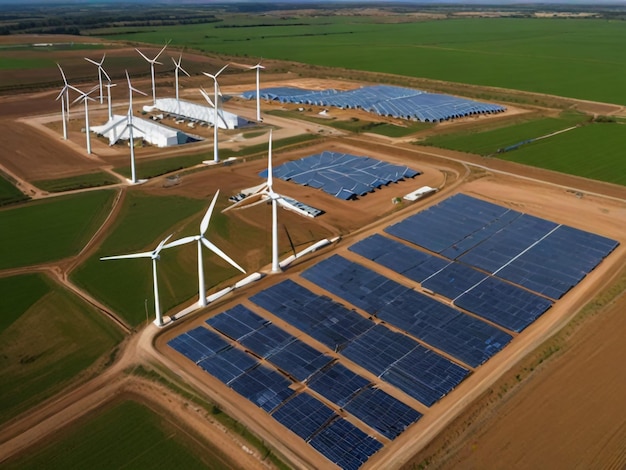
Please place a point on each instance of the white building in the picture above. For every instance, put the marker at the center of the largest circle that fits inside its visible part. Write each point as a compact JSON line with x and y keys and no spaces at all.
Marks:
{"x":150,"y":131}
{"x":195,"y":112}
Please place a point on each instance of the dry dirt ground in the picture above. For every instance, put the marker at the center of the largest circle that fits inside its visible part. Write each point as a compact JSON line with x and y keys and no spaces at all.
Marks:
{"x":534,"y":427}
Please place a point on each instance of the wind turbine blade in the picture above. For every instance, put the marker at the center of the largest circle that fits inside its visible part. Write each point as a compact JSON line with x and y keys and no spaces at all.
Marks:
{"x":105,"y":74}
{"x":62,"y":74}
{"x":92,"y":61}
{"x":183,"y":71}
{"x":138,"y":91}
{"x":270,"y":179}
{"x":207,"y":217}
{"x":221,"y":254}
{"x":221,"y":70}
{"x":142,"y":54}
{"x":131,"y":256}
{"x":252,"y":200}
{"x":61,"y":93}
{"x":161,"y":51}
{"x":163,"y":242}
{"x":206,"y":97}
{"x":209,"y":75}
{"x":156,"y":62}
{"x":103,"y":57}
{"x":180,"y":241}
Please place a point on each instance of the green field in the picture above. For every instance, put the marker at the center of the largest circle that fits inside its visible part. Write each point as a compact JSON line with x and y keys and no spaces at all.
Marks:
{"x":489,"y":141}
{"x":48,"y":337}
{"x":144,"y":221}
{"x":12,"y":63}
{"x":573,"y":58}
{"x":123,"y":435}
{"x":90,"y":180}
{"x":9,"y":194}
{"x":51,"y":229}
{"x":594,"y":151}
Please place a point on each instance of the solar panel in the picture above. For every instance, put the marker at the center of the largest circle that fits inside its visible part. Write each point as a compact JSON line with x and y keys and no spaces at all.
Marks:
{"x":338,"y":383}
{"x":304,"y":415}
{"x":237,"y":322}
{"x":264,"y":387}
{"x":299,"y":360}
{"x":228,"y":364}
{"x":267,"y":340}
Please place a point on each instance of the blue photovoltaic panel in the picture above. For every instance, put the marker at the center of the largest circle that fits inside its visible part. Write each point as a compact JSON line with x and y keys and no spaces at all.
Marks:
{"x":237,"y":322}
{"x":414,"y":264}
{"x":198,"y":343}
{"x":299,"y":360}
{"x":304,"y":415}
{"x":228,"y":364}
{"x":399,"y":360}
{"x":341,"y":175}
{"x":338,"y":384}
{"x":384,"y":413}
{"x":344,"y":444}
{"x":266,"y":340}
{"x":453,"y":280}
{"x":505,"y":304}
{"x":264,"y":387}
{"x":318,"y":316}
{"x":466,"y":338}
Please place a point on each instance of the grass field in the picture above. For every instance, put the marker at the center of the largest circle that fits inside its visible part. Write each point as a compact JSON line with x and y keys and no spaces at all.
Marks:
{"x":574,"y":58}
{"x":125,"y":285}
{"x":90,"y":180}
{"x":48,"y":337}
{"x":123,"y":435}
{"x":9,"y":194}
{"x":53,"y":229}
{"x":594,"y":151}
{"x":489,"y":141}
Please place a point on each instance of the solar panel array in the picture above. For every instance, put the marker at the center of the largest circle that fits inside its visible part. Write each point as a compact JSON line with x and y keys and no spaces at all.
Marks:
{"x":341,"y":175}
{"x":384,"y":100}
{"x":529,"y":251}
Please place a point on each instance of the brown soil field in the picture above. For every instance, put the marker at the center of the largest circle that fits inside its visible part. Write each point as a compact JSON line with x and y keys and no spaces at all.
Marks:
{"x":564,"y":414}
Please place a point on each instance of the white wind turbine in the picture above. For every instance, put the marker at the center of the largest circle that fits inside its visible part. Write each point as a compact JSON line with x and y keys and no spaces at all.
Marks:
{"x":152,"y":62}
{"x":178,"y":67}
{"x":65,"y":101}
{"x":85,"y":97}
{"x":101,"y":71}
{"x":258,"y":68}
{"x":201,"y":239}
{"x":215,"y":104}
{"x":264,"y":193}
{"x":128,"y":124}
{"x":109,"y":86}
{"x":154,"y":255}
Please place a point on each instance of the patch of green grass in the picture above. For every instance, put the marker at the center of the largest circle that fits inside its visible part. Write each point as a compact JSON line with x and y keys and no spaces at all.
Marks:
{"x":490,"y":141}
{"x":9,"y":194}
{"x":13,"y":63}
{"x":51,"y":229}
{"x":123,"y":435}
{"x":49,"y":339}
{"x":19,"y":293}
{"x":594,"y":151}
{"x":124,"y":285}
{"x":90,"y":180}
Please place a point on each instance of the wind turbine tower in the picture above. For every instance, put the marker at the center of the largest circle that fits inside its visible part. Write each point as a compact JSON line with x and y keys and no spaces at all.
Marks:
{"x":65,"y":101}
{"x":201,"y":239}
{"x":101,"y":71}
{"x":154,"y":255}
{"x":216,"y":90}
{"x":152,"y":62}
{"x":258,"y":68}
{"x":178,"y":67}
{"x":85,"y":97}
{"x":109,"y":86}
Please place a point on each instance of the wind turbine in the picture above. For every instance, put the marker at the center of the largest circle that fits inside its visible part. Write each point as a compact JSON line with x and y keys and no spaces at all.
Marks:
{"x":264,"y":193}
{"x":258,"y":68}
{"x":152,"y":62}
{"x":85,"y":97}
{"x":154,"y":255}
{"x":128,"y":124}
{"x":65,"y":101}
{"x":178,"y":67}
{"x":215,"y":106}
{"x":100,"y":72}
{"x":201,"y":239}
{"x":109,"y":86}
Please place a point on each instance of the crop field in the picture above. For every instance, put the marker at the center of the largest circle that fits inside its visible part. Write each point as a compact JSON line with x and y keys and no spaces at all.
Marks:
{"x":594,"y":151}
{"x":48,"y":337}
{"x":44,"y":231}
{"x":123,"y":435}
{"x":90,"y":180}
{"x":9,"y":193}
{"x":574,"y":58}
{"x":488,"y":142}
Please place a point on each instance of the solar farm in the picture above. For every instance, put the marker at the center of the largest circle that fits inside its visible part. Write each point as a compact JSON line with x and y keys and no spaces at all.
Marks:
{"x":473,"y":275}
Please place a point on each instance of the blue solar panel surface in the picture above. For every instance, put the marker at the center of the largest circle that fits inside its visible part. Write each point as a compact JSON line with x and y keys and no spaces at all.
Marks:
{"x":338,"y":383}
{"x":341,"y":175}
{"x":384,"y":100}
{"x":198,"y":344}
{"x":267,"y":340}
{"x":263,"y":386}
{"x":304,"y":415}
{"x":228,"y":364}
{"x":464,"y":337}
{"x":237,"y":322}
{"x":299,"y":360}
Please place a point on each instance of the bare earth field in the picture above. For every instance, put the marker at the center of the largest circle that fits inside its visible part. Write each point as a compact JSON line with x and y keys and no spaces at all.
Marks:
{"x":567,"y":414}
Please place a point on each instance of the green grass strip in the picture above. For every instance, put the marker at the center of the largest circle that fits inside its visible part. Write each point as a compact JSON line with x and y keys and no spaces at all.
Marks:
{"x":90,"y":180}
{"x":9,"y":194}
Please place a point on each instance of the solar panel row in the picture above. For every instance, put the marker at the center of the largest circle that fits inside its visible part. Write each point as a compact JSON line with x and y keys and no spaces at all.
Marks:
{"x":341,"y":175}
{"x":384,"y":100}
{"x":460,"y":335}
